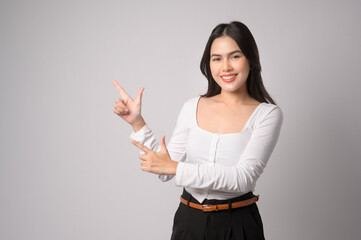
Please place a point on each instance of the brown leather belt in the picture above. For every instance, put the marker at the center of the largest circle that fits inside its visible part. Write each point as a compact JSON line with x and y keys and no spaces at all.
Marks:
{"x":210,"y":208}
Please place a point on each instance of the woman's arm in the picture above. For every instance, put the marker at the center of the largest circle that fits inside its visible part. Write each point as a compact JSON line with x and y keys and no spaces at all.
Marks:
{"x":130,"y":111}
{"x":138,"y":124}
{"x":251,"y":163}
{"x":176,"y":144}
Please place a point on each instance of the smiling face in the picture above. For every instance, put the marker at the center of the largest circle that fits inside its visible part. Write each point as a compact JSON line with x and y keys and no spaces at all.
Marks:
{"x":229,"y":67}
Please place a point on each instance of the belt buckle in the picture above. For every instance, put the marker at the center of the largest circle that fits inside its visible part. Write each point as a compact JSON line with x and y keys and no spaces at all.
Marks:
{"x":207,"y":205}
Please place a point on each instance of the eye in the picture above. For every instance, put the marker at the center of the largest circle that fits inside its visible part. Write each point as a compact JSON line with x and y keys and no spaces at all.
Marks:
{"x":215,"y":59}
{"x":236,"y":56}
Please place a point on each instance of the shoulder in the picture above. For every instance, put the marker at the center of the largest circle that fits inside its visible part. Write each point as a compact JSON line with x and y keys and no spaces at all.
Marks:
{"x":271,"y":113}
{"x":190,"y":104}
{"x":192,"y":100}
{"x":269,"y":107}
{"x":188,"y":108}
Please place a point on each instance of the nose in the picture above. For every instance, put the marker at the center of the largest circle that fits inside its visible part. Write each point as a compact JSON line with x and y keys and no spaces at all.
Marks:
{"x":226,"y":67}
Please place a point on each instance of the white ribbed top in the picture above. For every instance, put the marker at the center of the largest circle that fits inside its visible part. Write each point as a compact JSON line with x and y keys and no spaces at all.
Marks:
{"x":218,"y":166}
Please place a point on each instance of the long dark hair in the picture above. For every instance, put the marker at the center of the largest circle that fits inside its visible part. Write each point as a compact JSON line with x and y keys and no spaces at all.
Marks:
{"x":245,"y":41}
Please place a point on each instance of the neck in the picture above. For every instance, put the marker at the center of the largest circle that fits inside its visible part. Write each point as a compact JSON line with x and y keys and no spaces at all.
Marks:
{"x":233,"y":98}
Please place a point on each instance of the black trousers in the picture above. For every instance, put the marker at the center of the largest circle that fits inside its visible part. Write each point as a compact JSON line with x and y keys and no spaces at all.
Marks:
{"x":242,"y":223}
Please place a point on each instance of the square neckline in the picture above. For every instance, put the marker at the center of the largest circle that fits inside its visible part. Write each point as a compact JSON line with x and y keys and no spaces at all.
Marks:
{"x":224,"y":134}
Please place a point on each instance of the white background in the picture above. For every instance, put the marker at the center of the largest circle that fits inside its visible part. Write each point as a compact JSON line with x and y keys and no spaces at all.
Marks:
{"x":67,"y":167}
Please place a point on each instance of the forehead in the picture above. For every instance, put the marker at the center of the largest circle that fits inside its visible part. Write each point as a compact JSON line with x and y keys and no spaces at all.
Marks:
{"x":224,"y":45}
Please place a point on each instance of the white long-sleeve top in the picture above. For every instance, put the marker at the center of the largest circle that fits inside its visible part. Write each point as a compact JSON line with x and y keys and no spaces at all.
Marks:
{"x":218,"y":166}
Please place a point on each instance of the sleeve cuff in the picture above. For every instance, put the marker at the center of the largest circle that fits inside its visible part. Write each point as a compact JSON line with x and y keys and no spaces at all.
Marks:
{"x":137,"y":136}
{"x":179,"y":173}
{"x":164,"y":177}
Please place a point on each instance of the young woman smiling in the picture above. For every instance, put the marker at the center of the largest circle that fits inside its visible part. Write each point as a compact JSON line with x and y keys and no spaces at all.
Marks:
{"x":221,"y":143}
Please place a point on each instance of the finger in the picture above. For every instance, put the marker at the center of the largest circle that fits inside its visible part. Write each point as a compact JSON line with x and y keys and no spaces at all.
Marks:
{"x":121,"y":104}
{"x":121,"y":108}
{"x":115,"y":111}
{"x":142,"y":157}
{"x":140,"y":146}
{"x":139,"y":95}
{"x":124,"y":101}
{"x":120,"y":89}
{"x":162,"y":144}
{"x":118,"y":112}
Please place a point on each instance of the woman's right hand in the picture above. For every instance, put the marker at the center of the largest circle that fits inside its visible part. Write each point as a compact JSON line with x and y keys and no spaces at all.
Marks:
{"x":126,"y":107}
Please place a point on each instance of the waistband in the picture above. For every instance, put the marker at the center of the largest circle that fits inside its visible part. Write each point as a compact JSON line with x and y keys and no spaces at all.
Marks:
{"x":187,"y":196}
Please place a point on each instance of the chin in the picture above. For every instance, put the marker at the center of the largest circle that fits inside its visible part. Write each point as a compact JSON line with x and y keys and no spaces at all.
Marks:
{"x":226,"y":89}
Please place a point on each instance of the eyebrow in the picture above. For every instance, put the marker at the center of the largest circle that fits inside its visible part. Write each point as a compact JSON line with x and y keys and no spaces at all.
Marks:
{"x":228,"y":53}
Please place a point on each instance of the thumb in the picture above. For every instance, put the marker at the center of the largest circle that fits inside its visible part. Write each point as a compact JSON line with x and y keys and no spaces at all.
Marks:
{"x":139,"y":96}
{"x":163,"y":147}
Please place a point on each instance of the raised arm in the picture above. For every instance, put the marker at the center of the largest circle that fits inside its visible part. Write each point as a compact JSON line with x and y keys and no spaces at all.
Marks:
{"x":244,"y":174}
{"x":128,"y":109}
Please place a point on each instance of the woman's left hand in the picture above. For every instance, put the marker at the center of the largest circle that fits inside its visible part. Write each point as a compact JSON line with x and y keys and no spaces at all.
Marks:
{"x":157,"y":162}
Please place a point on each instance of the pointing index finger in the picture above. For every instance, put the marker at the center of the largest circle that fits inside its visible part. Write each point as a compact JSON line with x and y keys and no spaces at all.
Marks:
{"x":140,"y":146}
{"x":120,"y":89}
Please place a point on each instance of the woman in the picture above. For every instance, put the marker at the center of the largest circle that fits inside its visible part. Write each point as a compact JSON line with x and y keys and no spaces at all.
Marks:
{"x":221,"y":143}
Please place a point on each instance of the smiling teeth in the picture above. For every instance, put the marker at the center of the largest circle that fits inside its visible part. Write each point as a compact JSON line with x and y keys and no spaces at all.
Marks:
{"x":228,"y":77}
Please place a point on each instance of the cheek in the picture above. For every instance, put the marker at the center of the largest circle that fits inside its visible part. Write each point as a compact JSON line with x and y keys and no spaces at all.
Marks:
{"x":246,"y":76}
{"x":244,"y":73}
{"x":245,"y":66}
{"x":211,"y":66}
{"x":213,"y":69}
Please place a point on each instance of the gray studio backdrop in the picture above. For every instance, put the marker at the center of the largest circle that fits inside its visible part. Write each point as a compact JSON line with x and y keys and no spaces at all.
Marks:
{"x":68,"y":169}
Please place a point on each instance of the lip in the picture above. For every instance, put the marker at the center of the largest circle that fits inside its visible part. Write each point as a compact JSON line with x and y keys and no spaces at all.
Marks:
{"x":228,"y":80}
{"x":226,"y":75}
